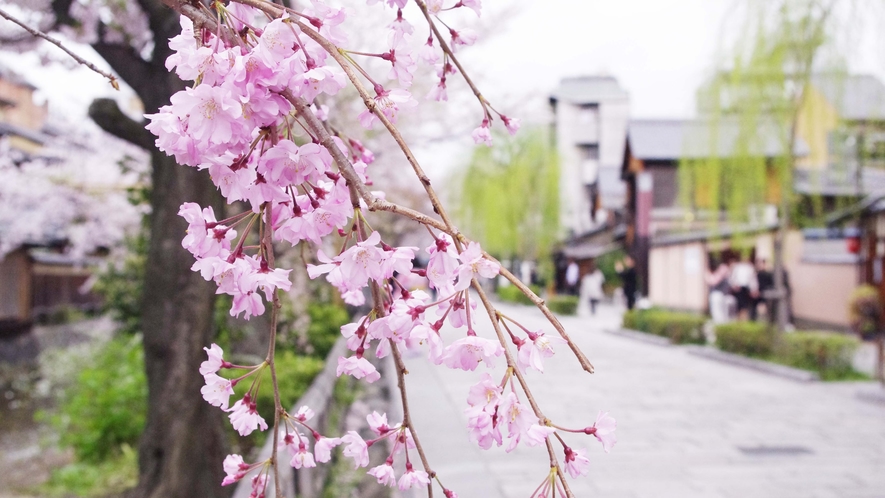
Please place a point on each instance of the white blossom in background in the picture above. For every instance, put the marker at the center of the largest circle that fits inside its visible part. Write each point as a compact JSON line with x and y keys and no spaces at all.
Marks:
{"x":72,"y":190}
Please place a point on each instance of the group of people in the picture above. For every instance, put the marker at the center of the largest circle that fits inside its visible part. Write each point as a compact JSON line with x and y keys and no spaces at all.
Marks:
{"x":591,"y":283}
{"x":738,"y":288}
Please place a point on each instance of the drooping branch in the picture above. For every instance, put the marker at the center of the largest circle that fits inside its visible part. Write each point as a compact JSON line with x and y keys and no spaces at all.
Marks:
{"x":511,"y":363}
{"x":39,"y":34}
{"x":375,"y":204}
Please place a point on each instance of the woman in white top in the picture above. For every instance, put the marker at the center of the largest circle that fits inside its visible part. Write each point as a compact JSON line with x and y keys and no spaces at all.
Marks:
{"x":591,"y":287}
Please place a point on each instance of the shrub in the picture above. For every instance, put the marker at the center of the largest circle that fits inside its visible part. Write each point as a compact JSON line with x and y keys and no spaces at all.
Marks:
{"x":511,"y":294}
{"x":564,"y":305}
{"x":680,"y":328}
{"x":104,"y":409}
{"x":746,"y":338}
{"x":326,"y":320}
{"x":827,"y":353}
{"x":111,"y":477}
{"x":865,"y":311}
{"x":294,"y":372}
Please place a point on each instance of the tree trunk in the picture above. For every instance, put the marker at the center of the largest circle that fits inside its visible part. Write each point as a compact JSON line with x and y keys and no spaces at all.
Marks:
{"x":183,"y":443}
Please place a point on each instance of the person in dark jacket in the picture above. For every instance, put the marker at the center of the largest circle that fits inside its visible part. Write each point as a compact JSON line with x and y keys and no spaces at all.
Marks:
{"x":627,"y":271}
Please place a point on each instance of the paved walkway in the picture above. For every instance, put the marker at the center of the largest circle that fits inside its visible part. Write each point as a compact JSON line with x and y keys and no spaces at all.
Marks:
{"x":687,"y":426}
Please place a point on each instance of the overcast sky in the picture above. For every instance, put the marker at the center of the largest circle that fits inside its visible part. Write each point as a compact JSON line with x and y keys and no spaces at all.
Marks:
{"x":660,"y":51}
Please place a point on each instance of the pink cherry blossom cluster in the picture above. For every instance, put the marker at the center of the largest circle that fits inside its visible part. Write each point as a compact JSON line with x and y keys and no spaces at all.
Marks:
{"x":255,"y":118}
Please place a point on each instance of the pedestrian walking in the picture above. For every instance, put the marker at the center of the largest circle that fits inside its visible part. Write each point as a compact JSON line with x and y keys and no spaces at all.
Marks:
{"x":591,"y":288}
{"x":572,"y":274}
{"x":627,"y":272}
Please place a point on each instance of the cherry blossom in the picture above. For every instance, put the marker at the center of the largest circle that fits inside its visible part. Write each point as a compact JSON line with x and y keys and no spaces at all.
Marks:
{"x":358,"y":368}
{"x":217,"y":391}
{"x":576,"y":463}
{"x":235,"y":469}
{"x":482,"y":134}
{"x":535,"y":349}
{"x":604,"y":430}
{"x":356,"y":448}
{"x":412,"y":478}
{"x":215,"y":361}
{"x":322,"y":448}
{"x":245,"y":418}
{"x":473,"y":264}
{"x":384,"y":474}
{"x":468,"y":352}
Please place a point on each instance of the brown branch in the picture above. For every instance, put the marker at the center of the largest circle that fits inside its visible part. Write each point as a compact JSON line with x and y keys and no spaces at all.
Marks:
{"x":39,"y":34}
{"x":401,"y":383}
{"x":346,"y":168}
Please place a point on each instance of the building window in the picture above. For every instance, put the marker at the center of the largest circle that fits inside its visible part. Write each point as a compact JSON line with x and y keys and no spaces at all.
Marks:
{"x":589,"y":152}
{"x":588,"y":114}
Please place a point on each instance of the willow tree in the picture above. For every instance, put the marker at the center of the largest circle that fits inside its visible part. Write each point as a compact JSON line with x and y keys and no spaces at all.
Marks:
{"x":509,"y":197}
{"x":753,"y":110}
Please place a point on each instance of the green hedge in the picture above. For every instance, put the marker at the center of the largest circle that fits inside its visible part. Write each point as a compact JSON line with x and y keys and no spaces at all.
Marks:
{"x":746,"y":338}
{"x":680,"y":328}
{"x":564,"y":305}
{"x":827,"y":353}
{"x":513,"y":295}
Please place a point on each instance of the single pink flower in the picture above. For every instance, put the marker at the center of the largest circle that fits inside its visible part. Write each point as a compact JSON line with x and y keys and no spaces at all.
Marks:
{"x":482,"y":134}
{"x":217,"y":390}
{"x":358,"y":368}
{"x":215,"y":361}
{"x":235,"y":469}
{"x":533,"y":350}
{"x":576,"y":463}
{"x":485,"y":394}
{"x":245,"y":418}
{"x":412,"y":478}
{"x":474,"y":5}
{"x":356,"y":448}
{"x":604,"y":430}
{"x":378,"y":423}
{"x":302,"y":458}
{"x":303,"y":414}
{"x":467,"y":353}
{"x":473,"y":264}
{"x":512,"y":124}
{"x":537,"y":434}
{"x":322,"y":448}
{"x":384,"y":474}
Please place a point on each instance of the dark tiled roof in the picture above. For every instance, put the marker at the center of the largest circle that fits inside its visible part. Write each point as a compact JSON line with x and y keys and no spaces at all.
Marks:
{"x":672,"y":139}
{"x":588,"y":89}
{"x":11,"y":129}
{"x":856,"y":97}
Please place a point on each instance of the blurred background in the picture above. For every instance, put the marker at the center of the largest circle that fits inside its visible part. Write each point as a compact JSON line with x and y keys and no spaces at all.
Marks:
{"x":707,"y":174}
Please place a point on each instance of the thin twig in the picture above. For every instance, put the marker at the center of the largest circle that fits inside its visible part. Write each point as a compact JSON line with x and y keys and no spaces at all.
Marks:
{"x":401,"y":383}
{"x":490,"y":309}
{"x":445,"y":47}
{"x":271,"y":349}
{"x":39,"y":34}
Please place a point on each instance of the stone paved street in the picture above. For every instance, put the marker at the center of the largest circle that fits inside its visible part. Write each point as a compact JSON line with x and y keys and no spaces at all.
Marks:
{"x":687,"y":426}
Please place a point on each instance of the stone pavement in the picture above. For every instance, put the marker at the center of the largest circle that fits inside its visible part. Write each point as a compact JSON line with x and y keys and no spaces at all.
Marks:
{"x":687,"y":426}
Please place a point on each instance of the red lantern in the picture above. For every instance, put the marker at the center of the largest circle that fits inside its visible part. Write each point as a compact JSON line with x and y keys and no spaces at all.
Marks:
{"x":853,"y":244}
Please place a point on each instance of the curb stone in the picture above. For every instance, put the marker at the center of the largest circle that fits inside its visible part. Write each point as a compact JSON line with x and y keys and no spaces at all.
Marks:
{"x":753,"y":364}
{"x":641,"y":336}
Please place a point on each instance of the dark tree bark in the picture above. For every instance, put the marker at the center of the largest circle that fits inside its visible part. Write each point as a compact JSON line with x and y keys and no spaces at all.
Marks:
{"x":182,"y":447}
